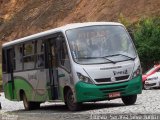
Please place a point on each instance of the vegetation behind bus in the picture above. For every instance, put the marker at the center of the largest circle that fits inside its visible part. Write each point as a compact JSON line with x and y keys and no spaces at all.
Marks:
{"x":146,"y":34}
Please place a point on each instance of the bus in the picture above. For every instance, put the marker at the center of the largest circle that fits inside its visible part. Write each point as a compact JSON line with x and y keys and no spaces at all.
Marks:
{"x":75,"y":63}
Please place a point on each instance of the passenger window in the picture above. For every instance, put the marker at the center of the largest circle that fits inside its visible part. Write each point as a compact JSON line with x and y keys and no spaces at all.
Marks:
{"x":40,"y":54}
{"x":29,"y":57}
{"x":10,"y":56}
{"x":18,"y":58}
{"x":29,"y":49}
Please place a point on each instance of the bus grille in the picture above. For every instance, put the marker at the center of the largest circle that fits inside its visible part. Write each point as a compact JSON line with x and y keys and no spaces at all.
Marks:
{"x":103,"y":80}
{"x":109,"y":79}
{"x":114,"y":89}
{"x":122,"y":77}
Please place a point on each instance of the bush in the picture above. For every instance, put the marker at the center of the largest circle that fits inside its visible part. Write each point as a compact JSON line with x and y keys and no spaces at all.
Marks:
{"x":147,"y":41}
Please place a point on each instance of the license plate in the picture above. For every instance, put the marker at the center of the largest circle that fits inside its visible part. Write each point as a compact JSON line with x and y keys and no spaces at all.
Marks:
{"x":114,"y":94}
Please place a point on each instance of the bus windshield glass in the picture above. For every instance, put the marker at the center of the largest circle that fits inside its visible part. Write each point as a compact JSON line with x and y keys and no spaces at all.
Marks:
{"x":100,"y":44}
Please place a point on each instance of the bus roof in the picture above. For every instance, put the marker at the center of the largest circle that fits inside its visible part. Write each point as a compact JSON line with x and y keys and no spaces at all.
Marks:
{"x":59,"y":29}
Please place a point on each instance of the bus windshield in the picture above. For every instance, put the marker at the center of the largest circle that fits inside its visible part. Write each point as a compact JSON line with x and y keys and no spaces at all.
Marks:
{"x":100,"y":44}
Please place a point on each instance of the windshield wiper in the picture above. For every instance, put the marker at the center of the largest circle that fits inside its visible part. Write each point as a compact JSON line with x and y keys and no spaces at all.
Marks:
{"x":96,"y":58}
{"x":131,"y":58}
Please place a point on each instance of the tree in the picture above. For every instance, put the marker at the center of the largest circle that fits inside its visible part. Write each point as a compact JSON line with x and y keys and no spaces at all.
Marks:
{"x":147,"y":41}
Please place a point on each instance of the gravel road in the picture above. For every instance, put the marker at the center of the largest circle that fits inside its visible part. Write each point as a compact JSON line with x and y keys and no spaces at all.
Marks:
{"x":147,"y":103}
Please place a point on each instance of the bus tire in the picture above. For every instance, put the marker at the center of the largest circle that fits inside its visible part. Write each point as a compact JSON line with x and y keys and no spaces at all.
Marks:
{"x":30,"y":105}
{"x":69,"y":101}
{"x":129,"y":100}
{"x":26,"y":103}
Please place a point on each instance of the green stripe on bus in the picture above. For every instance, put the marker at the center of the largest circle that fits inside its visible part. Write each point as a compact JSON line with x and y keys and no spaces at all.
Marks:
{"x":22,"y":84}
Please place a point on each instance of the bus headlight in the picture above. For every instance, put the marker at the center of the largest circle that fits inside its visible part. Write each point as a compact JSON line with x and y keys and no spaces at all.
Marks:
{"x":136,"y":72}
{"x":84,"y":78}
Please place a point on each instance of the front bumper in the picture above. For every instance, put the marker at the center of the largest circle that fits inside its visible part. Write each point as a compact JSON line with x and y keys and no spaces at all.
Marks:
{"x":91,"y":92}
{"x":152,"y":84}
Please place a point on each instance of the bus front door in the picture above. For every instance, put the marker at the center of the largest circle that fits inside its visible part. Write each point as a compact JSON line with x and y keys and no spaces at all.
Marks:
{"x":53,"y":71}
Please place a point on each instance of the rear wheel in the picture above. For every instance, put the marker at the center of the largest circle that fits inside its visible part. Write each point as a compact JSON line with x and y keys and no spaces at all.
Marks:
{"x":30,"y":105}
{"x":27,"y":105}
{"x":129,"y":100}
{"x":69,"y":101}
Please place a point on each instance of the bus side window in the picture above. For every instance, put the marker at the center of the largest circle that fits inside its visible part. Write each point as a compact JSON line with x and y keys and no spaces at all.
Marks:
{"x":40,"y":54}
{"x":10,"y":60}
{"x":29,"y":57}
{"x":64,"y":58}
{"x":18,"y":58}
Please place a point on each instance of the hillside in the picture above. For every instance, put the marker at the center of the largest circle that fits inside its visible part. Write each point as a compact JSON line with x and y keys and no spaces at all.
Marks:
{"x":19,"y":18}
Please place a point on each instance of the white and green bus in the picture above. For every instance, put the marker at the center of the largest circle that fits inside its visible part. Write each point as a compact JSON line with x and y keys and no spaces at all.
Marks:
{"x":76,"y":63}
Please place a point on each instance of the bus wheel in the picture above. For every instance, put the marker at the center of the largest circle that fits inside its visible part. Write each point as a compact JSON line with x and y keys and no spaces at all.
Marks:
{"x":69,"y":100}
{"x":27,"y":105}
{"x":30,"y":105}
{"x":129,"y":100}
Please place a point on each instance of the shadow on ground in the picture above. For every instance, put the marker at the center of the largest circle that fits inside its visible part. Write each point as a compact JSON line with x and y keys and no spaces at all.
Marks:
{"x":61,"y":108}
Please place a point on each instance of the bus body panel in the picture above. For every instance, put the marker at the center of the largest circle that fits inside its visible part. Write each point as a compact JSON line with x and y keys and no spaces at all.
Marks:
{"x":85,"y":92}
{"x":7,"y":85}
{"x":88,"y":92}
{"x":33,"y":83}
{"x":120,"y":69}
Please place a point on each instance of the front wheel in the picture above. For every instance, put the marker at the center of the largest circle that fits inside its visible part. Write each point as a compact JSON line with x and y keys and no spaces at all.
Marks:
{"x":70,"y":101}
{"x":129,"y":100}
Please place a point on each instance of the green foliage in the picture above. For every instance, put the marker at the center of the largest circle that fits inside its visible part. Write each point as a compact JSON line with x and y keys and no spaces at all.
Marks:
{"x":130,"y":26}
{"x":147,"y":40}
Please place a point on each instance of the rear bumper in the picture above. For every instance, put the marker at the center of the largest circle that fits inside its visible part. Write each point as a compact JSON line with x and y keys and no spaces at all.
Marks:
{"x":91,"y":92}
